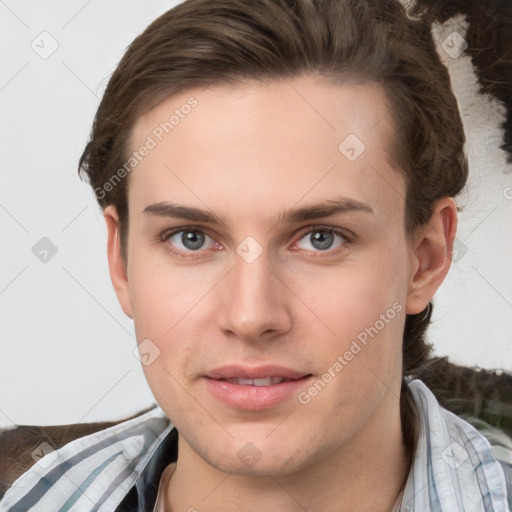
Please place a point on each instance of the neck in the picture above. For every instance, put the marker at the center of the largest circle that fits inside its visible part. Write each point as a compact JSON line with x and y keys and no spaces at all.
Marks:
{"x":367,"y":474}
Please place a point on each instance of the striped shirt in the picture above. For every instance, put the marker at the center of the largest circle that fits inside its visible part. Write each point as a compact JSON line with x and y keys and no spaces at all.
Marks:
{"x":119,"y":469}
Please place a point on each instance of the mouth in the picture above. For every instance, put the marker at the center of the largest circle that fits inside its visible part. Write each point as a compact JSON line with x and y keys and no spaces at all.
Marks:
{"x":263,"y":381}
{"x":257,"y":388}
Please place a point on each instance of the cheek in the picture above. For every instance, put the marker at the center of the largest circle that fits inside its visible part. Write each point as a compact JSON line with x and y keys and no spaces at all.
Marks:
{"x":167,"y":303}
{"x":354,"y":295}
{"x":162,"y":293}
{"x":364,"y":310}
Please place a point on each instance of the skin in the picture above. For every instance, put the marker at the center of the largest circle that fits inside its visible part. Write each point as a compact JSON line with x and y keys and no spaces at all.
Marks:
{"x":247,"y":153}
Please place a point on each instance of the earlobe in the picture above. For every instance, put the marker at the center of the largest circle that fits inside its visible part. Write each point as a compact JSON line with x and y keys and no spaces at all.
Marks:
{"x":431,"y":255}
{"x":116,"y":264}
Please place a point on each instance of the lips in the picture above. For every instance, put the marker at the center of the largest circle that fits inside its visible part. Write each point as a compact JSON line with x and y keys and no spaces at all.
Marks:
{"x":259,"y":372}
{"x":264,"y":381}
{"x":256,"y":388}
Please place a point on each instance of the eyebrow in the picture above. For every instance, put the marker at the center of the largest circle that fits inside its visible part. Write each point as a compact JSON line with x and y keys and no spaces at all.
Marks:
{"x":326,"y":208}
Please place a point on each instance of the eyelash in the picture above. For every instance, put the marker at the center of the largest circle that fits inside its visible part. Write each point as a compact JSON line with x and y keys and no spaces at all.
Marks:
{"x":347,"y":236}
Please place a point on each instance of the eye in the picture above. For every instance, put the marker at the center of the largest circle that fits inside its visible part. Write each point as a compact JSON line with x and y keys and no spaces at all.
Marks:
{"x":188,"y":240}
{"x":185,"y":241}
{"x":323,"y":239}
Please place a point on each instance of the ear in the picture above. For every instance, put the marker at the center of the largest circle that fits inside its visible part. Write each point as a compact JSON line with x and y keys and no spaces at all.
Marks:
{"x":431,"y":255}
{"x":117,"y":266}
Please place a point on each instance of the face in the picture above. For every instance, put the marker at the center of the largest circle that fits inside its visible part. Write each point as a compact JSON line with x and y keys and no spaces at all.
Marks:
{"x":268,"y":270}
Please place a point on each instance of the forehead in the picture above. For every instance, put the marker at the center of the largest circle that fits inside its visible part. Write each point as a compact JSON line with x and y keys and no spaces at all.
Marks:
{"x":256,"y":145}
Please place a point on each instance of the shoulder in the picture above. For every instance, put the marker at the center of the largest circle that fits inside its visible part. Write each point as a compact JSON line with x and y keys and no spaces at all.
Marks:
{"x":469,"y":409}
{"x":97,"y":467}
{"x":453,"y":462}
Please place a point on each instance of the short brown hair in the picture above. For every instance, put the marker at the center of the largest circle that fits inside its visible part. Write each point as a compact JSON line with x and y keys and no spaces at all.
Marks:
{"x":203,"y":42}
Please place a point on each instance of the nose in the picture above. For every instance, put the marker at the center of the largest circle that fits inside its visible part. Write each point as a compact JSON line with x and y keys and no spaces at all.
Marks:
{"x":256,"y":305}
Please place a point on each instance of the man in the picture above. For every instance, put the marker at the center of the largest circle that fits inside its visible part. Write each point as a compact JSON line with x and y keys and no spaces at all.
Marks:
{"x":277,"y":180}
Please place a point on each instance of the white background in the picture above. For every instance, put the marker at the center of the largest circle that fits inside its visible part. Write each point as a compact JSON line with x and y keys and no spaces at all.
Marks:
{"x":66,"y":346}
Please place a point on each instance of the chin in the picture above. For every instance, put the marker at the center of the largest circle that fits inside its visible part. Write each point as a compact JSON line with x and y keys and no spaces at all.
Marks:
{"x":276,"y":467}
{"x":261,"y":457}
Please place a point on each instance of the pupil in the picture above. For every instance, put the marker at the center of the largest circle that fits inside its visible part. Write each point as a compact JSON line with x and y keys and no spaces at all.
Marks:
{"x":192,"y":239}
{"x":323,"y":239}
